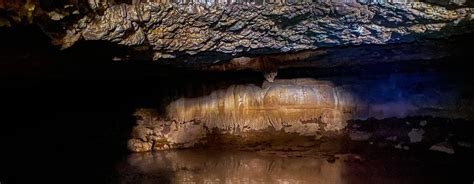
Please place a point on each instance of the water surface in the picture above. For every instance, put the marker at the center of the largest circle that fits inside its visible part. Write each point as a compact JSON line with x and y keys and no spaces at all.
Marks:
{"x":208,"y":166}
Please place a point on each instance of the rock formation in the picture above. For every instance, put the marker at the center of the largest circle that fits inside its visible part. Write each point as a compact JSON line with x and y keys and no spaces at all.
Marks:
{"x":264,"y":36}
{"x":170,"y":30}
{"x":305,"y":107}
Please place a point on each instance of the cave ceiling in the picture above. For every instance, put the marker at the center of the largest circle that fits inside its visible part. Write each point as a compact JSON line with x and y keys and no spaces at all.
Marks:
{"x":209,"y":32}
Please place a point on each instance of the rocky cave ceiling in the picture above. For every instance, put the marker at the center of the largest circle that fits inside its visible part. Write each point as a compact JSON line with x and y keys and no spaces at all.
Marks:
{"x":236,"y":35}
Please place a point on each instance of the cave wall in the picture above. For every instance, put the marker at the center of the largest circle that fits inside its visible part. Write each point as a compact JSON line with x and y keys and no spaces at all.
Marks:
{"x":302,"y":107}
{"x":233,"y":36}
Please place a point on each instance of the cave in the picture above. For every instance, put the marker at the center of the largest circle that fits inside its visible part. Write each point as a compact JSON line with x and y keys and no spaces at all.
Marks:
{"x":264,"y":91}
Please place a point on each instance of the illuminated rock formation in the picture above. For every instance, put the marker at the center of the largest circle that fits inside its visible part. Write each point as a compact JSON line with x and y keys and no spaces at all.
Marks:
{"x":302,"y":105}
{"x":305,"y":107}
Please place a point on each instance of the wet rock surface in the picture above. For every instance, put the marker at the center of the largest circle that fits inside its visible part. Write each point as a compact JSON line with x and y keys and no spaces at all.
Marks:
{"x":443,"y":147}
{"x":440,"y":136}
{"x":300,"y":107}
{"x":325,"y":160}
{"x":170,"y":30}
{"x":156,"y":30}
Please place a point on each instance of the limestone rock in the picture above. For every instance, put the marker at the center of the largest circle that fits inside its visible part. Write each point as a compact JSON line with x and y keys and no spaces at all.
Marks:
{"x":452,"y":3}
{"x":221,"y":31}
{"x":416,"y":135}
{"x":465,"y":144}
{"x":303,"y":107}
{"x":423,"y":123}
{"x":444,"y":147}
{"x":359,"y":135}
{"x":136,"y":145}
{"x":241,"y":28}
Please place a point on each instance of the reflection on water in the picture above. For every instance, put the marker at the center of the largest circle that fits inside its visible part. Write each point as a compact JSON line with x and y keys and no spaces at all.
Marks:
{"x":241,"y":167}
{"x":207,"y":166}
